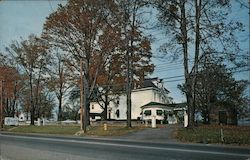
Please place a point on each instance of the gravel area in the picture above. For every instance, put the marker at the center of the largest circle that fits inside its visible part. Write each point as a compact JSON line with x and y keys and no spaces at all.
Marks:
{"x":163,"y":133}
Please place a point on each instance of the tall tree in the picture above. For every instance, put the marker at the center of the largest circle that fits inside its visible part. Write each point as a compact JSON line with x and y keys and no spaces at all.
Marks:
{"x":217,"y":87}
{"x":11,"y":81}
{"x":110,"y":83}
{"x":46,"y":104}
{"x":195,"y":28}
{"x":59,"y":80}
{"x":136,"y":45}
{"x":31,"y":56}
{"x":80,"y":28}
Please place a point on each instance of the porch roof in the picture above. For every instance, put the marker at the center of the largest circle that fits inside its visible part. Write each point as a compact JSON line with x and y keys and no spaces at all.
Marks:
{"x":177,"y":106}
{"x":156,"y":105}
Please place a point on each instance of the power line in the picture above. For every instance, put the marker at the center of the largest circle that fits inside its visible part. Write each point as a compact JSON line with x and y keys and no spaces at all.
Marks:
{"x":176,"y":80}
{"x":173,"y":77}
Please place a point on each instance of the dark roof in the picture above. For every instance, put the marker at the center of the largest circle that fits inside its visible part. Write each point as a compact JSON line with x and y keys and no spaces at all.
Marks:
{"x":154,"y":104}
{"x":148,"y":83}
{"x":177,"y":105}
{"x":173,"y":105}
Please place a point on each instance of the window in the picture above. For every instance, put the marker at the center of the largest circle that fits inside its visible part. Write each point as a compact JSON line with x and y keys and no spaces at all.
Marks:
{"x":159,"y":112}
{"x":117,"y":113}
{"x":93,"y":106}
{"x":147,"y":112}
{"x":117,"y":102}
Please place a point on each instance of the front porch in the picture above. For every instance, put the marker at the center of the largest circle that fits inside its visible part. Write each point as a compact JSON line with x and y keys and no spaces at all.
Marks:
{"x":162,"y":113}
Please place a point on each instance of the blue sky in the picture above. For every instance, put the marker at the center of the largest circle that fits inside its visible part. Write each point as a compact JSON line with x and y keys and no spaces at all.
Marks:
{"x":20,"y":18}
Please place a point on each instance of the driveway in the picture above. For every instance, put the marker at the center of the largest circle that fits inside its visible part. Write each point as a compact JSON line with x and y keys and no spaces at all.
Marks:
{"x":163,"y":133}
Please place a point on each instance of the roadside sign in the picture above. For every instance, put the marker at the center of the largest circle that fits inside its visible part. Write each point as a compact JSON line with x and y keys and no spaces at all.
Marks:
{"x":10,"y":121}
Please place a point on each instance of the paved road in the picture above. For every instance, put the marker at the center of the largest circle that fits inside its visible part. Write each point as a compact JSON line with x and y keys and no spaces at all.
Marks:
{"x":19,"y":147}
{"x":161,"y":134}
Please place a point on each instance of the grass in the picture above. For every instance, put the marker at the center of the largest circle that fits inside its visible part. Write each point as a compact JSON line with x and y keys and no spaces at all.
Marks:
{"x":72,"y":130}
{"x":112,"y":130}
{"x":64,"y":130}
{"x":212,"y":134}
{"x":5,"y":128}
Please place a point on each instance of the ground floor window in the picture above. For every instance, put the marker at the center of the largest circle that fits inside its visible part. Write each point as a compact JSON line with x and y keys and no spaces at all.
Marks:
{"x":147,"y":112}
{"x":159,"y":112}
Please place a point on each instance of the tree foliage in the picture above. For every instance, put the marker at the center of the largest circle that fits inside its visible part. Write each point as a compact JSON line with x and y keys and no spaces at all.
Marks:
{"x":216,"y":87}
{"x":93,"y":32}
{"x":89,"y":32}
{"x":59,"y":80}
{"x":32,"y":57}
{"x":194,"y":29}
{"x":11,"y":87}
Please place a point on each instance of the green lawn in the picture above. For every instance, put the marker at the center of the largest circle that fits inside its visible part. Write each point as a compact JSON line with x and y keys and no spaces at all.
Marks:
{"x":64,"y":130}
{"x":113,"y":130}
{"x":72,"y":130}
{"x":212,"y":134}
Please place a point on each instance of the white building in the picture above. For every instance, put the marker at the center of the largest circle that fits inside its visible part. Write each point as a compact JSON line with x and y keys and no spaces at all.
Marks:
{"x":152,"y":90}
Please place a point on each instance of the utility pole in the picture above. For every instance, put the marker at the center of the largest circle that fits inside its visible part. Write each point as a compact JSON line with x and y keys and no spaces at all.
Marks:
{"x":81,"y":96}
{"x":86,"y":97}
{"x":1,"y":108}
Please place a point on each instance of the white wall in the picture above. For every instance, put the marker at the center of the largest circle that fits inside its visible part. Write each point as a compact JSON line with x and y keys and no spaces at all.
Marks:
{"x":139,"y":97}
{"x":95,"y":108}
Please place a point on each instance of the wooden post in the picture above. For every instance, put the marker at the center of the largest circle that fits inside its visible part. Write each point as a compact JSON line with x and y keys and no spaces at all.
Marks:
{"x":221,"y":133}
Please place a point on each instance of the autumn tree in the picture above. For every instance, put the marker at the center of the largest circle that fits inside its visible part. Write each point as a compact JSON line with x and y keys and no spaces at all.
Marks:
{"x":59,"y":78}
{"x":46,"y":104}
{"x":31,"y":56}
{"x":194,"y":29}
{"x":79,"y":28}
{"x":11,"y":86}
{"x":217,"y":87}
{"x":137,"y":48}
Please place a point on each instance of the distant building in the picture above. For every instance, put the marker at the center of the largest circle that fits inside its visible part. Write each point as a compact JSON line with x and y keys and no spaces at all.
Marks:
{"x":152,"y":90}
{"x":22,"y":117}
{"x":222,"y":114}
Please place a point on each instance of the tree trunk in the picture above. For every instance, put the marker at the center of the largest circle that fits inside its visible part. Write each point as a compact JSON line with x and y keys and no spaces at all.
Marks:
{"x":60,"y":108}
{"x":197,"y":53}
{"x":86,"y":96}
{"x":128,"y":92}
{"x":60,"y":96}
{"x":130,"y":64}
{"x":105,"y":107}
{"x":14,"y":99}
{"x":32,"y":112}
{"x":189,"y":98}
